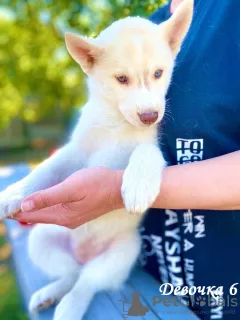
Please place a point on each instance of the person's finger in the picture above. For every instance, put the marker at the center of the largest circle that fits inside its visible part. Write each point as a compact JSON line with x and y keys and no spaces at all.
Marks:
{"x":51,"y":215}
{"x":54,"y":215}
{"x":58,"y":194}
{"x":71,"y":215}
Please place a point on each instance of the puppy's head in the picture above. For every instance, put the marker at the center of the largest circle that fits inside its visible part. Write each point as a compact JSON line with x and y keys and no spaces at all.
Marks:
{"x":130,"y":63}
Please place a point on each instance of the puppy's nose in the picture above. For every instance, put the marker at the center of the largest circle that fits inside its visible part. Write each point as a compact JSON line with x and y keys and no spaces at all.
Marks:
{"x":148,"y":117}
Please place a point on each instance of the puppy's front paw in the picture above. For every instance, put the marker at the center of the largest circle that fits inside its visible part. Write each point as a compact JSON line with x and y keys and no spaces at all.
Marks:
{"x":139,"y":189}
{"x":10,"y":200}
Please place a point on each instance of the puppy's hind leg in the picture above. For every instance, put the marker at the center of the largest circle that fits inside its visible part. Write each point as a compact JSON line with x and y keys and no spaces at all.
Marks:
{"x":107,"y":271}
{"x":47,"y":246}
{"x":52,"y":293}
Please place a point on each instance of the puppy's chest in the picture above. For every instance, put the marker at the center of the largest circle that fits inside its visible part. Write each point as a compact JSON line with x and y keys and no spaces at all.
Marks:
{"x":114,"y":156}
{"x":113,"y":148}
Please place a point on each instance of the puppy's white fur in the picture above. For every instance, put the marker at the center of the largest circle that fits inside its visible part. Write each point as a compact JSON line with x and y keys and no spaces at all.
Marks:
{"x":109,"y":133}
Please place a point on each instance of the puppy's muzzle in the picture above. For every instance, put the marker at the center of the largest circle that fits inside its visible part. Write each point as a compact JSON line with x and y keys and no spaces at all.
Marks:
{"x":148,"y":117}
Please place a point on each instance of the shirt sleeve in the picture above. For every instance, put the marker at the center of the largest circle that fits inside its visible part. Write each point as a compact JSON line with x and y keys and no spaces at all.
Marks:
{"x":161,"y":15}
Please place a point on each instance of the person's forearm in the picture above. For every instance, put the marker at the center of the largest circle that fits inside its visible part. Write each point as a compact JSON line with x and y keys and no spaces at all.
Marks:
{"x":209,"y":184}
{"x":89,"y":193}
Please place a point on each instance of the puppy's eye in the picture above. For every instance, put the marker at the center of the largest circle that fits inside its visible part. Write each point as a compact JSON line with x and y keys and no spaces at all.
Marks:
{"x":122,"y":79}
{"x":158,"y":74}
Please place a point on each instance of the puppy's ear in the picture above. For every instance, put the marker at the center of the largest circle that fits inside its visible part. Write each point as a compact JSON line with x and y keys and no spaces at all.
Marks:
{"x":83,"y":50}
{"x":176,"y":28}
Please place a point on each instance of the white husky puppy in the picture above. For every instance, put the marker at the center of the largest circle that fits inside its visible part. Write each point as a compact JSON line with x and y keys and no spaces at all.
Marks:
{"x":129,"y":67}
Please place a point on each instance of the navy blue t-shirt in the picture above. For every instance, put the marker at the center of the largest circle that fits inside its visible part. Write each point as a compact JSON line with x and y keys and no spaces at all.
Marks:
{"x":197,"y":247}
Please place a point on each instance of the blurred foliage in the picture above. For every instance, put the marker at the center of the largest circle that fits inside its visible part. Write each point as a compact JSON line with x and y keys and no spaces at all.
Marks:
{"x":36,"y":73}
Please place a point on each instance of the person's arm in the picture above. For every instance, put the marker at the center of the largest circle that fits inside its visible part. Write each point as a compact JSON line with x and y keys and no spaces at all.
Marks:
{"x":89,"y":193}
{"x":209,"y":184}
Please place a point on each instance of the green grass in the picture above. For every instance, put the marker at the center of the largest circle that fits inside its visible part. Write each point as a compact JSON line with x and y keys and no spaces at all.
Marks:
{"x":10,"y":308}
{"x":10,"y":305}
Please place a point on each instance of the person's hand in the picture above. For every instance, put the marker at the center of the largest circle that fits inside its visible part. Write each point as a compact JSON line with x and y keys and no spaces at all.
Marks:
{"x":84,"y":196}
